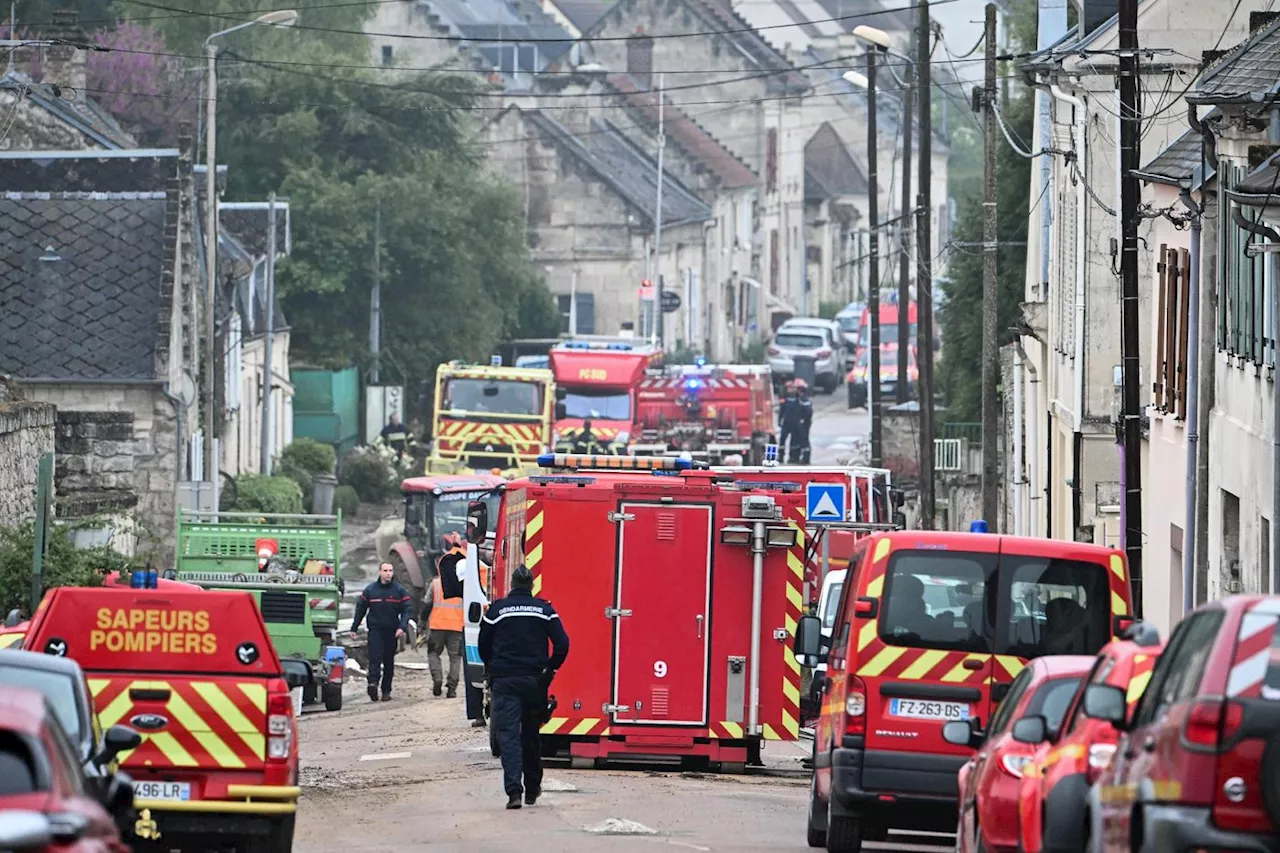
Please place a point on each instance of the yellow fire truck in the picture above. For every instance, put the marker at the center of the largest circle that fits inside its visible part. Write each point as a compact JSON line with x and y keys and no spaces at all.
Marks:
{"x":490,"y":418}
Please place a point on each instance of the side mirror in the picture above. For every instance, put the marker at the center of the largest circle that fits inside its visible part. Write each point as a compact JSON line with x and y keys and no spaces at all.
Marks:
{"x":477,"y":522}
{"x":962,"y":733}
{"x":116,"y":740}
{"x":1106,"y":702}
{"x":14,"y":618}
{"x":562,"y":411}
{"x":562,"y":394}
{"x":23,"y":830}
{"x":67,"y":827}
{"x":1032,"y":730}
{"x":474,"y":612}
{"x":297,"y":673}
{"x":807,"y":645}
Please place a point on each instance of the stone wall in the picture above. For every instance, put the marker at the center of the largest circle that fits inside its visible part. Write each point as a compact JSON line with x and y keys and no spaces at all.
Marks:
{"x":95,"y":469}
{"x":26,"y":433}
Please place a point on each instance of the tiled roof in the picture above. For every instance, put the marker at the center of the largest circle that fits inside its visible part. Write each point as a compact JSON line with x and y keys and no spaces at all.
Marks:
{"x":1263,"y":181}
{"x":1179,"y":161}
{"x":1250,"y":70}
{"x":886,"y":16}
{"x":829,"y":169}
{"x":628,"y":170}
{"x":84,"y":114}
{"x":731,"y":172}
{"x":750,"y":42}
{"x":583,"y":13}
{"x":80,"y":282}
{"x":513,"y":21}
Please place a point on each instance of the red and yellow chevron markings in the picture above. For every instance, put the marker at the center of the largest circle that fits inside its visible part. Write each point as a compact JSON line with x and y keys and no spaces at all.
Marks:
{"x":533,"y":542}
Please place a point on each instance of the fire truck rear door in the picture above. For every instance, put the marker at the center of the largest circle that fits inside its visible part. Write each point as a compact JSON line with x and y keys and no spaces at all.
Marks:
{"x":661,"y":618}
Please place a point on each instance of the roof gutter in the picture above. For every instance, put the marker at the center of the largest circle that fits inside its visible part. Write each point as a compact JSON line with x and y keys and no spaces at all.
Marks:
{"x":105,"y":380}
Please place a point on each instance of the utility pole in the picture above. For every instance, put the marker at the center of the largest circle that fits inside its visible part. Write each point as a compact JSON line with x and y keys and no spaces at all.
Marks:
{"x":659,"y":318}
{"x":873,"y":262}
{"x":990,"y":247}
{"x":924,"y":265}
{"x":210,"y":257}
{"x":375,"y":296}
{"x":1130,"y":139}
{"x":268,"y":333}
{"x":904,"y":249}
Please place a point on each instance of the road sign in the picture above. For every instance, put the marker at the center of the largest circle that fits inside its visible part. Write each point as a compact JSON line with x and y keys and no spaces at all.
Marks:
{"x":825,"y":501}
{"x":771,"y":454}
{"x":670,"y":301}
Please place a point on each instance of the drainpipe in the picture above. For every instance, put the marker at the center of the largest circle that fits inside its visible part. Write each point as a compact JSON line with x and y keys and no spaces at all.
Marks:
{"x":1018,"y":476}
{"x":757,"y":593}
{"x":1193,"y":411}
{"x":1077,"y":405}
{"x":1032,"y":446}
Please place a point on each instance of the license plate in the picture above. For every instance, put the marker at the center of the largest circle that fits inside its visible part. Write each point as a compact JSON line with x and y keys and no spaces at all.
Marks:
{"x":162,"y":790}
{"x":922,"y":709}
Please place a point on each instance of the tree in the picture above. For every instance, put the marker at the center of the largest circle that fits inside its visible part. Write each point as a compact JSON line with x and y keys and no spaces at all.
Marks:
{"x":141,"y":82}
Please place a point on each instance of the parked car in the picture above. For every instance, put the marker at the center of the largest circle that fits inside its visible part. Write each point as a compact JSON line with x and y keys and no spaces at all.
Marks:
{"x":856,"y":382}
{"x":1053,"y":802}
{"x":1197,"y":763}
{"x":843,"y":349}
{"x":989,"y":782}
{"x":63,"y":684}
{"x":805,"y":341}
{"x":848,"y":318}
{"x":39,"y":773}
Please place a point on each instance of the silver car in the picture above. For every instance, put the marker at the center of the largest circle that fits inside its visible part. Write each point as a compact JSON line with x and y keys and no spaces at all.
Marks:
{"x":791,"y":342}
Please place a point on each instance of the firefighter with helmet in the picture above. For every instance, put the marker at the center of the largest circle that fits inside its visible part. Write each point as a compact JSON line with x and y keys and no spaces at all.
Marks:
{"x":514,"y":638}
{"x":443,"y":617}
{"x":795,"y":416}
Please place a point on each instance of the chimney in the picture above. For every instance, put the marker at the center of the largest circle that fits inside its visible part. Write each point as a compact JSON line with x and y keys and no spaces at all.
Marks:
{"x":64,"y":65}
{"x":1095,"y":13}
{"x":640,"y":58}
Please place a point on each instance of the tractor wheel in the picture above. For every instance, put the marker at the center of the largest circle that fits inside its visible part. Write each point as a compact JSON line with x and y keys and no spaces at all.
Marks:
{"x":332,"y":695}
{"x":310,"y":695}
{"x":416,"y":593}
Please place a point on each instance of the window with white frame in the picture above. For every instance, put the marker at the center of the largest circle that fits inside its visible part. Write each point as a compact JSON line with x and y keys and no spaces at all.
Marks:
{"x":1246,"y":310}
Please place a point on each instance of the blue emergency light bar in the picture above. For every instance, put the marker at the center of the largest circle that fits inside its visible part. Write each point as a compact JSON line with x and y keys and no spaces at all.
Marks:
{"x":978,"y":526}
{"x":693,"y":384}
{"x":613,"y":463}
{"x":619,"y":347}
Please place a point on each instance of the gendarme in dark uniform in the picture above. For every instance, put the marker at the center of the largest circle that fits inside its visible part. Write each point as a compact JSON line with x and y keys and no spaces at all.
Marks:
{"x":514,"y":638}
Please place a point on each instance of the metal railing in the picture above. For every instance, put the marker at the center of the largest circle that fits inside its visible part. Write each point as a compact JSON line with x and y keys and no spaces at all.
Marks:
{"x":947,"y":453}
{"x":970,"y":430}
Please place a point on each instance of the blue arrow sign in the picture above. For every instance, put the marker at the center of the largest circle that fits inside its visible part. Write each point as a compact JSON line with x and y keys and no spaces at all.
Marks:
{"x":825,"y":501}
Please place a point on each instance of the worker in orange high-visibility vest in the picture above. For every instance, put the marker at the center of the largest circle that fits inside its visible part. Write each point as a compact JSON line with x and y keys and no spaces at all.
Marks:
{"x":445,"y":626}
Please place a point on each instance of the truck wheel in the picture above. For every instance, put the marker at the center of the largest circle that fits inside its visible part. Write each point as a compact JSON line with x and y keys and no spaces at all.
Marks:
{"x":844,"y":834}
{"x":279,"y":840}
{"x":332,"y":695}
{"x":816,"y":832}
{"x":309,"y":695}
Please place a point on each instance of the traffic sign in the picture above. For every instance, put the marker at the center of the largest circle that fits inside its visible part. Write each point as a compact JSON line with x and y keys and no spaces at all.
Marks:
{"x":825,"y":501}
{"x":670,"y":301}
{"x":771,"y":454}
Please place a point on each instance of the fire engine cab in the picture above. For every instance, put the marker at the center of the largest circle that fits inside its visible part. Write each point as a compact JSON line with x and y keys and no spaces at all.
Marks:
{"x":680,"y":588}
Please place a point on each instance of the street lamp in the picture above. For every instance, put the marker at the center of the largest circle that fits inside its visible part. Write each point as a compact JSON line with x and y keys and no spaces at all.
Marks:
{"x":278,"y":18}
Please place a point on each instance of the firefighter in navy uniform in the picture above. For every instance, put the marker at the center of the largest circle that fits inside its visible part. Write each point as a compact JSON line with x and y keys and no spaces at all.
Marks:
{"x":804,"y":420}
{"x":395,"y":436}
{"x":514,"y":636}
{"x":388,"y":605}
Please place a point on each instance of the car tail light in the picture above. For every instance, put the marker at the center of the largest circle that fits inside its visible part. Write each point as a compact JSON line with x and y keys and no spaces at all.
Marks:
{"x":774,"y":350}
{"x":822,"y":353}
{"x":855,"y":707}
{"x":1211,"y":721}
{"x":279,"y":726}
{"x":1014,"y":764}
{"x":336,"y":673}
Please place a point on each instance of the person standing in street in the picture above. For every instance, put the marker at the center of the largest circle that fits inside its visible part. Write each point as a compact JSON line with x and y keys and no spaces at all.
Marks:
{"x":514,"y":638}
{"x":445,"y":626}
{"x":395,"y":436}
{"x":387,"y":604}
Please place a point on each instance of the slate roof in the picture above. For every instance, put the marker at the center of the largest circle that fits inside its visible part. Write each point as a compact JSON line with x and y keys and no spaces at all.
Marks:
{"x":583,"y":13}
{"x":1176,"y":163}
{"x":627,"y":169}
{"x":1263,"y":183}
{"x":1248,"y":73}
{"x":84,"y":114}
{"x":829,"y":169}
{"x":731,"y":172}
{"x":887,"y":16}
{"x":512,"y":21}
{"x":80,"y":282}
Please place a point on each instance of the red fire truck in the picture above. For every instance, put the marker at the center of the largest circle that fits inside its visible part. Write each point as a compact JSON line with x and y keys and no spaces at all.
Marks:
{"x":680,"y":588}
{"x":711,"y":412}
{"x":596,"y":380}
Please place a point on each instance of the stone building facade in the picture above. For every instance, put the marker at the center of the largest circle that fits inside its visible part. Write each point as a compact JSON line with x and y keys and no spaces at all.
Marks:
{"x":26,"y":434}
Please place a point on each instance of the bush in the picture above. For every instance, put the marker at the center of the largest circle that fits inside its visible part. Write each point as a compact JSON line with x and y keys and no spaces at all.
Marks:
{"x":308,"y":455}
{"x":346,"y":501}
{"x":256,"y":493}
{"x":372,"y":478}
{"x":305,"y":480}
{"x":64,"y":564}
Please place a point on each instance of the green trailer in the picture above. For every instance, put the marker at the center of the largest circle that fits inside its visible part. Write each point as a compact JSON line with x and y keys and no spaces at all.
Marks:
{"x":290,"y":564}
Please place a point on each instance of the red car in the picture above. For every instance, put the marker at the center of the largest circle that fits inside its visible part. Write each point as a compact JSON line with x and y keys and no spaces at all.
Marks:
{"x":989,"y":782}
{"x":39,"y":772}
{"x":1197,"y":764}
{"x":1054,"y":799}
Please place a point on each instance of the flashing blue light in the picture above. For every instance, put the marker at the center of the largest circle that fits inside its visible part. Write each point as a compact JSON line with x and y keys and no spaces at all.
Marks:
{"x":621,"y":347}
{"x":978,"y":526}
{"x":577,"y":345}
{"x":693,"y":384}
{"x":700,"y":361}
{"x":495,"y":361}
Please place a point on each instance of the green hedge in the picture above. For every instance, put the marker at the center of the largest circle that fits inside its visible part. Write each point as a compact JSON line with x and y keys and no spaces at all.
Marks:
{"x":64,"y":564}
{"x":372,"y":478}
{"x":307,"y":454}
{"x":256,"y":493}
{"x":346,"y":501}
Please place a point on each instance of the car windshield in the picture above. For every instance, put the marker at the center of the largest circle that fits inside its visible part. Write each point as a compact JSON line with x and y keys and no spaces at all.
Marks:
{"x":499,"y":397}
{"x":848,"y":323}
{"x":1052,"y":700}
{"x":833,"y":606}
{"x":598,"y":405}
{"x":57,"y":687}
{"x":888,"y":333}
{"x":449,"y":513}
{"x":795,"y":340}
{"x":944,"y":600}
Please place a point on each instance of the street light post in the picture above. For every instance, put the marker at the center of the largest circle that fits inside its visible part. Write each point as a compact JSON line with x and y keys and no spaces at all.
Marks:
{"x":278,"y":18}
